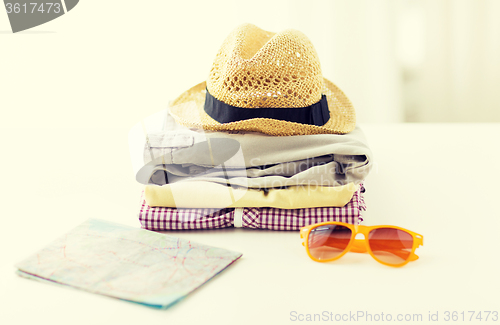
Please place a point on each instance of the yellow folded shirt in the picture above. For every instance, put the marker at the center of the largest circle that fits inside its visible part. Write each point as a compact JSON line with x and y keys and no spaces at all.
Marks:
{"x":202,"y":194}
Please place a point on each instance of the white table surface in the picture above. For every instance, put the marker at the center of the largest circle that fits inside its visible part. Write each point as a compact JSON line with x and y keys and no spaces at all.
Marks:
{"x":440,"y":180}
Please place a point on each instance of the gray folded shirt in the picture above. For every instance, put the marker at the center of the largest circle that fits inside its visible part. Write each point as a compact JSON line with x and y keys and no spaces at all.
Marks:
{"x":262,"y":161}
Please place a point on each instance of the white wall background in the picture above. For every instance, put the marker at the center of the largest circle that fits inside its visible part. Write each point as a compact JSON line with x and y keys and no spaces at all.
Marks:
{"x":397,"y":60}
{"x":451,"y":65}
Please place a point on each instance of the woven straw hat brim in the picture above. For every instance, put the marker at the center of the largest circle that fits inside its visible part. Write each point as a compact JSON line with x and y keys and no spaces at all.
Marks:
{"x":188,"y":110}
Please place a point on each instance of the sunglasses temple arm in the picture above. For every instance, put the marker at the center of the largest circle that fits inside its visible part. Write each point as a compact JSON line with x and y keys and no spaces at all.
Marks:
{"x":359,"y":246}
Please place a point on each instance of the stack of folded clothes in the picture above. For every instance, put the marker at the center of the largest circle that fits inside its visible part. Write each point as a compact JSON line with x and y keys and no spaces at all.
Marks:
{"x":266,"y":142}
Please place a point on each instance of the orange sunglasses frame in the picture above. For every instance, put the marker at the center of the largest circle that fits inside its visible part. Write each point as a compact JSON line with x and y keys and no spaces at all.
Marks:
{"x":361,"y":245}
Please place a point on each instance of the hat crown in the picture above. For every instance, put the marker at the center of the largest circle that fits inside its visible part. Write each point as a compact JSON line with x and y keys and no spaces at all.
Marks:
{"x":256,"y":69}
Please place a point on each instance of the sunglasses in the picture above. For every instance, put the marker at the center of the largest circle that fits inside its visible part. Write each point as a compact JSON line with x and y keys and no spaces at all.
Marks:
{"x":389,"y":245}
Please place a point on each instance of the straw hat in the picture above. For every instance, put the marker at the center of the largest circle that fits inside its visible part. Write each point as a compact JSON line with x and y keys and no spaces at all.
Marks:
{"x":266,"y":82}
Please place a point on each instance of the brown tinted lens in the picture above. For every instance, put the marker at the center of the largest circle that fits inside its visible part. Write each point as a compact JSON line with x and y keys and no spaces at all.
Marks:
{"x":389,"y":245}
{"x":328,"y":241}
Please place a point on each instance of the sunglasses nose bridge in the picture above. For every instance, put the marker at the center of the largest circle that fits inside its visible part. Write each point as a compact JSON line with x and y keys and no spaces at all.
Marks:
{"x":362,"y":229}
{"x":359,"y":244}
{"x":360,"y":236}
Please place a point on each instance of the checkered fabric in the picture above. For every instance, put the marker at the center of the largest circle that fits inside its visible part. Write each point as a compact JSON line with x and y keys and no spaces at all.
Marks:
{"x":162,"y":218}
